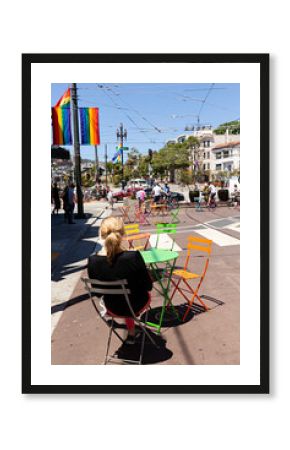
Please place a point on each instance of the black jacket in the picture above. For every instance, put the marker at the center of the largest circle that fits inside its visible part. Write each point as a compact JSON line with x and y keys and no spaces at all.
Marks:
{"x":127,"y":265}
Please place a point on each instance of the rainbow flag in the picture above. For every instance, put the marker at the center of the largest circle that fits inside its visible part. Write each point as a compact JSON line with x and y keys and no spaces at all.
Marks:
{"x":89,"y":123}
{"x":117,"y":157}
{"x":61,"y":126}
{"x":64,"y":101}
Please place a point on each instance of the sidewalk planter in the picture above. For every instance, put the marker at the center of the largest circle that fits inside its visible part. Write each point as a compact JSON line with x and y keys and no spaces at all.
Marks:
{"x":193,"y":195}
{"x":223,"y":195}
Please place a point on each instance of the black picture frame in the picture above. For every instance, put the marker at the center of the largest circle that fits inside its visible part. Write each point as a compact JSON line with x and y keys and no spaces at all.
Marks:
{"x":263,"y":61}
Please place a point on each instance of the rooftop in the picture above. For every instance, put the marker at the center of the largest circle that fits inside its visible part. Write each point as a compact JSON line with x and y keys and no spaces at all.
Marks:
{"x":227,"y":145}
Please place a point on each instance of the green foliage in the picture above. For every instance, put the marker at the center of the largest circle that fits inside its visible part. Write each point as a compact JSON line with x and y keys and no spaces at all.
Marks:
{"x":234,"y":127}
{"x":87,"y":180}
{"x":171,"y":157}
{"x":110,"y":166}
{"x":117,"y":179}
{"x":191,"y":143}
{"x":186,"y":177}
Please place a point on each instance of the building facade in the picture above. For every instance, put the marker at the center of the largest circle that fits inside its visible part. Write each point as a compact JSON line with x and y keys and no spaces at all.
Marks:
{"x":216,"y":153}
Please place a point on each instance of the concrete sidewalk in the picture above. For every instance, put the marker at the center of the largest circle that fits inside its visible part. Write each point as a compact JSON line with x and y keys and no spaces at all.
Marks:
{"x":70,"y":246}
{"x":211,"y":337}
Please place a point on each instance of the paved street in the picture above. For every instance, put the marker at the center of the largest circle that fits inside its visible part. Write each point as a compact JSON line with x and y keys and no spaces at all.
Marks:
{"x":79,"y":336}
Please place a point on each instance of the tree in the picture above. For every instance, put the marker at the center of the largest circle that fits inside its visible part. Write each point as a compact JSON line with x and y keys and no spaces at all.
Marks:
{"x":131,"y":167}
{"x":143,"y":165}
{"x":186,"y":177}
{"x":233,"y":127}
{"x":169,"y":158}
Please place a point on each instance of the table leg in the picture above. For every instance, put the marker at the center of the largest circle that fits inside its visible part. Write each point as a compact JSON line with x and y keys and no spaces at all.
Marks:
{"x":165,"y":287}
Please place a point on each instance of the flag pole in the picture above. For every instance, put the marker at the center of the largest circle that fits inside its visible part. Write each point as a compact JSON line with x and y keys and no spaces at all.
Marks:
{"x":77,"y":155}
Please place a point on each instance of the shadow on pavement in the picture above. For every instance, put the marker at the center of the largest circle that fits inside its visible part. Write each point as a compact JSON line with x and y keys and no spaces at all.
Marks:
{"x":151,"y":353}
{"x":170,"y":319}
{"x":78,"y":248}
{"x":71,"y":302}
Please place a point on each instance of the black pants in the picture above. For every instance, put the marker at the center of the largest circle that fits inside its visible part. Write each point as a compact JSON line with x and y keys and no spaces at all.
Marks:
{"x":68,"y":216}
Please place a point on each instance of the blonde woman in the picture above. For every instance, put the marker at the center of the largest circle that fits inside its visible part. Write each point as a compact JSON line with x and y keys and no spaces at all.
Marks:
{"x":114,"y":263}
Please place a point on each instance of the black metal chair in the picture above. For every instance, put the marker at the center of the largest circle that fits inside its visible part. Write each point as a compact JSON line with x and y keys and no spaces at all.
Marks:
{"x":118,"y":287}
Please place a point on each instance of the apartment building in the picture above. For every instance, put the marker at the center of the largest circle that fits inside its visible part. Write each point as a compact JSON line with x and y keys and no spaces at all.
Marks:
{"x":226,"y":156}
{"x":216,"y":153}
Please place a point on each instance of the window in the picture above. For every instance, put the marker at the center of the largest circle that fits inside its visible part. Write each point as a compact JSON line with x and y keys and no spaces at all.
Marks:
{"x":204,"y":167}
{"x":218,"y":155}
{"x":226,"y":153}
{"x":228,"y":167}
{"x":218,"y":167}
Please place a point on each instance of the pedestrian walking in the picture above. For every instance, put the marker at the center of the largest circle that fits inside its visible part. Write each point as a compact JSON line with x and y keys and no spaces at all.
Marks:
{"x":110,"y":198}
{"x":166,"y":189}
{"x":55,"y":198}
{"x":140,"y":196}
{"x":156,"y":193}
{"x":69,"y":203}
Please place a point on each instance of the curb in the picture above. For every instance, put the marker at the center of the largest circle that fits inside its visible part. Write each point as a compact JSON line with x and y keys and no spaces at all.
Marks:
{"x":60,"y":260}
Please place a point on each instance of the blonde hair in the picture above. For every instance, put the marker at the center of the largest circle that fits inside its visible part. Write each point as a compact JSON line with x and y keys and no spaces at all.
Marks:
{"x":112,"y":231}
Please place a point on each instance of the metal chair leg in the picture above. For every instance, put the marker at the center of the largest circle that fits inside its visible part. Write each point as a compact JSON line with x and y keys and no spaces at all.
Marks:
{"x":109,"y":341}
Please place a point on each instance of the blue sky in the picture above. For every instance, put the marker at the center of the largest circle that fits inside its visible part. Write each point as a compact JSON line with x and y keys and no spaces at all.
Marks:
{"x":152,"y":113}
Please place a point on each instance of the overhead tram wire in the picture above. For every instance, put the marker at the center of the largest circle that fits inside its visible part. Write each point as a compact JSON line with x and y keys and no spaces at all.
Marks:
{"x":101,"y":104}
{"x":119,"y":107}
{"x":137,"y":112}
{"x":205,"y":99}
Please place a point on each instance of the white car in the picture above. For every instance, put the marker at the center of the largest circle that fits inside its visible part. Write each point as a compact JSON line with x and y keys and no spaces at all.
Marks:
{"x":138,"y":182}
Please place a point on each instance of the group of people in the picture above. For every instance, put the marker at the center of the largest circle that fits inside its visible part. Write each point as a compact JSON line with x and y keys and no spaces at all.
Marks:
{"x":157,"y":192}
{"x":68,"y":198}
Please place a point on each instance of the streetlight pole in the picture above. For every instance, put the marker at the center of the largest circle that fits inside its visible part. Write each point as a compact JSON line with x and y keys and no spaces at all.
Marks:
{"x":97,"y":163}
{"x":77,"y":155}
{"x":122,"y":134}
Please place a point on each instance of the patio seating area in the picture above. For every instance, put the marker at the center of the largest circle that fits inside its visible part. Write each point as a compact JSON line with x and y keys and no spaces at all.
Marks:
{"x":194,"y":313}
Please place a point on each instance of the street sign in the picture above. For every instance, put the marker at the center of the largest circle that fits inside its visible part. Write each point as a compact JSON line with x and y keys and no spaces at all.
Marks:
{"x":122,"y":148}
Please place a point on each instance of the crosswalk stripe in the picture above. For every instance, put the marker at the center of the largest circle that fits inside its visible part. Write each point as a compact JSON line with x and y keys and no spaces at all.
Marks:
{"x":220,"y":239}
{"x":165,"y":242}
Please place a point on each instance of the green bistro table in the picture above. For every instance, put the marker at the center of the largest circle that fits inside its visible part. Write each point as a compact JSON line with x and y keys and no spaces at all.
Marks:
{"x":154,"y":258}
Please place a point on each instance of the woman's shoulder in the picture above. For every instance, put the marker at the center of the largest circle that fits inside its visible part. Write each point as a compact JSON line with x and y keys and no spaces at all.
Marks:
{"x":128,"y":254}
{"x":95,"y":258}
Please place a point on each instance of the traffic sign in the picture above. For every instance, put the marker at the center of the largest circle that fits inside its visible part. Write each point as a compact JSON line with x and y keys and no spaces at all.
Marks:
{"x":122,"y":148}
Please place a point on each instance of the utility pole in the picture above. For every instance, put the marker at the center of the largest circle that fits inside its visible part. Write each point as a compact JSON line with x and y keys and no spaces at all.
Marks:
{"x":77,"y":156}
{"x":97,"y":163}
{"x":122,"y":134}
{"x":106,"y":159}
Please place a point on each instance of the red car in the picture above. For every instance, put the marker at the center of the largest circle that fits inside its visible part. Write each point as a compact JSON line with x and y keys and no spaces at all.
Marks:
{"x":119,"y":195}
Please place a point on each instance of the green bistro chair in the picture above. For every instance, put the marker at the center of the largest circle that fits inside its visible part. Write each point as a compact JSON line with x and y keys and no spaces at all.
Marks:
{"x":166,"y":228}
{"x":174,"y":215}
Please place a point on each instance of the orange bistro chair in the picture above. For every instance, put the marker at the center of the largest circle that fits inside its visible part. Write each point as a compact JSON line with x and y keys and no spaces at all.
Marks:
{"x":181,"y":277}
{"x":140,"y":215}
{"x":125,"y":213}
{"x":135,"y":239}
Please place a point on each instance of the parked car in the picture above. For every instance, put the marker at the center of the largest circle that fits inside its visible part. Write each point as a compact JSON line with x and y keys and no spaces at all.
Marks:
{"x":128,"y":192}
{"x":138,"y":182}
{"x":177,"y":196}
